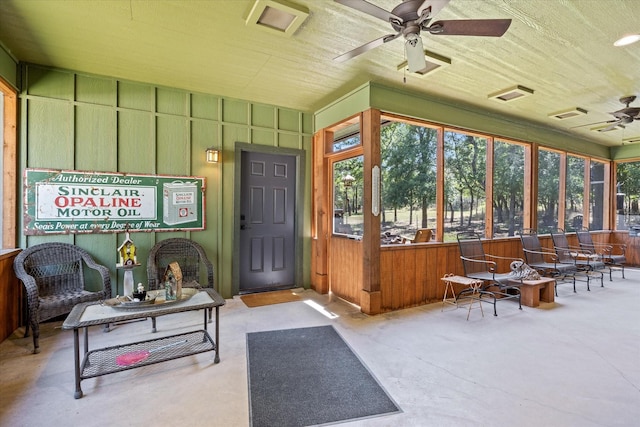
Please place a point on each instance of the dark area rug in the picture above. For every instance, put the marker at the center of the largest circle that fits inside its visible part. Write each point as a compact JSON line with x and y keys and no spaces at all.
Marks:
{"x":309,"y":376}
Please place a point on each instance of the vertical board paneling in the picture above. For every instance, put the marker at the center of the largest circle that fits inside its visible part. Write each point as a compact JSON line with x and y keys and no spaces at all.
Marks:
{"x":286,"y":140}
{"x":96,"y":90}
{"x":136,"y":142}
{"x":204,"y":106}
{"x":235,"y":111}
{"x":346,"y":281}
{"x":47,"y":83}
{"x":263,"y":137}
{"x":171,"y":102}
{"x":50,"y":121}
{"x":173,"y":146}
{"x":95,"y":135}
{"x":135,"y":96}
{"x":288,"y":120}
{"x":263,"y":116}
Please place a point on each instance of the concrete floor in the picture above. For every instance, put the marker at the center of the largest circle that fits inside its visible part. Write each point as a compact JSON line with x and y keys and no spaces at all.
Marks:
{"x":575,"y":362}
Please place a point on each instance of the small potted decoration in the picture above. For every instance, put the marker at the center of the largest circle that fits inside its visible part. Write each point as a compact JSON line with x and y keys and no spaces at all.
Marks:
{"x":141,"y":295}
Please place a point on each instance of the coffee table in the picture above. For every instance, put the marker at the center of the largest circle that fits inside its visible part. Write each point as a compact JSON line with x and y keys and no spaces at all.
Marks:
{"x":534,"y":291}
{"x":108,"y":360}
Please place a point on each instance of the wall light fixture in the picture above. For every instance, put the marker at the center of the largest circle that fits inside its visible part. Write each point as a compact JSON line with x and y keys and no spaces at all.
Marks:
{"x":213,"y":155}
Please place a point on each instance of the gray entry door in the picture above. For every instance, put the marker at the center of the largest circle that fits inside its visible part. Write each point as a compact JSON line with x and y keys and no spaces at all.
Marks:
{"x":267,"y":221}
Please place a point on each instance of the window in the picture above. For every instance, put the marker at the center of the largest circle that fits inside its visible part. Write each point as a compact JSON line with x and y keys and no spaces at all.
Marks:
{"x":574,"y":194}
{"x":548,"y":190}
{"x":597,"y":195}
{"x":9,"y":114}
{"x":408,"y":166}
{"x":347,"y":135}
{"x":628,"y":197}
{"x":508,"y":188}
{"x":464,"y":183}
{"x":347,"y":196}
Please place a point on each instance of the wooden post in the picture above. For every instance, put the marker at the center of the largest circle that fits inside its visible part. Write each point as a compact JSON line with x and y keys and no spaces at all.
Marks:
{"x":370,"y":300}
{"x":320,"y":226}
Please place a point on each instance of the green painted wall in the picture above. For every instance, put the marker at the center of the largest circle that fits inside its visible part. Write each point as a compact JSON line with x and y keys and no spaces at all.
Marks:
{"x":397,"y":101}
{"x":8,"y":67}
{"x":84,"y":122}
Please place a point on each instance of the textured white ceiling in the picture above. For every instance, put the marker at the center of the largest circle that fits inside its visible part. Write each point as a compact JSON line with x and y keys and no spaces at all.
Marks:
{"x":562,"y":49}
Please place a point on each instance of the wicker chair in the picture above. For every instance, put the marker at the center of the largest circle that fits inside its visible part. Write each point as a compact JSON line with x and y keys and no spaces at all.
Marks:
{"x":53,"y":277}
{"x":191,"y":258}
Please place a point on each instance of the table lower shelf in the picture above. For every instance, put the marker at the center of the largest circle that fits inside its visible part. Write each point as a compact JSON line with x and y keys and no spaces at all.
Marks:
{"x":103,"y":361}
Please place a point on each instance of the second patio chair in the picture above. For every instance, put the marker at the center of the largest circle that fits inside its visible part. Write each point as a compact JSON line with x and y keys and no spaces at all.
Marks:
{"x":613,"y":255}
{"x":478,"y":265}
{"x":544,"y":261}
{"x":588,"y":266}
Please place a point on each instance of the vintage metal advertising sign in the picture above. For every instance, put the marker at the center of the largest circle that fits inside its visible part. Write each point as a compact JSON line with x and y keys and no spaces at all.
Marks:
{"x":58,"y":201}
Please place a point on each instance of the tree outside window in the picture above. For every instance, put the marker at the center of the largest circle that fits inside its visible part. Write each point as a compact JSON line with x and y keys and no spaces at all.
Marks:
{"x":465,"y":171}
{"x":508,"y":188}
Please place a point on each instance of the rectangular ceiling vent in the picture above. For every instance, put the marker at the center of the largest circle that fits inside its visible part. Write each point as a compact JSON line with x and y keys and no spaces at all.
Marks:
{"x":631,"y":140}
{"x":568,"y":114}
{"x":511,"y":94}
{"x":278,"y":16}
{"x":434,"y":62}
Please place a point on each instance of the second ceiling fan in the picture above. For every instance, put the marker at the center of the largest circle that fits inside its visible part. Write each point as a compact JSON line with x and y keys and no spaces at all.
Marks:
{"x":411,"y":17}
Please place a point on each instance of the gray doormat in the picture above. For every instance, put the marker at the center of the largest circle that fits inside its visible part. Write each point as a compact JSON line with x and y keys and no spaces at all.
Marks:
{"x":309,"y":376}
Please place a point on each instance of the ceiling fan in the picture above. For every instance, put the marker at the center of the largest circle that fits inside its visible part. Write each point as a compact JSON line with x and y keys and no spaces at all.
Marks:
{"x":623,"y":116}
{"x":412,"y":16}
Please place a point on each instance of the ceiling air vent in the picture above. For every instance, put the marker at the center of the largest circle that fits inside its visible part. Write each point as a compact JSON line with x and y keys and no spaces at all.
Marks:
{"x":631,"y":140}
{"x":511,"y":94}
{"x":568,"y":114}
{"x":278,"y":16}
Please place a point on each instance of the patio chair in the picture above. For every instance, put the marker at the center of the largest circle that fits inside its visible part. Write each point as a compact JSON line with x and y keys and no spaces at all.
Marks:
{"x":589,"y":266}
{"x":613,"y":255}
{"x":478,"y":265}
{"x":197,"y":270}
{"x":423,"y":235}
{"x":544,"y":261}
{"x":53,"y":275}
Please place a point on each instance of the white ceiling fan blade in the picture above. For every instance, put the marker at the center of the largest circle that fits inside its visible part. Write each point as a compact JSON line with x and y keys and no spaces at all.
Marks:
{"x":366,"y":47}
{"x":415,"y":53}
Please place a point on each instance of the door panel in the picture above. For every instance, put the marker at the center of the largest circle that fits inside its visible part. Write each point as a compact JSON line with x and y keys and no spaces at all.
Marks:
{"x":267,"y":221}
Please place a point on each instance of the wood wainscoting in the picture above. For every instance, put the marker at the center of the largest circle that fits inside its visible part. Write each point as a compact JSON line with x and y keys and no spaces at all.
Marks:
{"x":345,"y":268}
{"x":410,"y":274}
{"x":11,"y":294}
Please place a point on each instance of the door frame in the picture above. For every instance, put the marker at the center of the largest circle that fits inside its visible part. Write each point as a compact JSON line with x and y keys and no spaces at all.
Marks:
{"x":299,"y":155}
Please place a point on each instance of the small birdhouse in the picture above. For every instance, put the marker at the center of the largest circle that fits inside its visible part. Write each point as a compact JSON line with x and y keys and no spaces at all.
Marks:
{"x":127,"y":252}
{"x":172,"y":280}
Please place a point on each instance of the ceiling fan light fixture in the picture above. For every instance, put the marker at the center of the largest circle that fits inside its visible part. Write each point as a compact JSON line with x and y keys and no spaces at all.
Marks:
{"x":627,"y":40}
{"x":568,"y":114}
{"x":433,"y":62}
{"x":415,"y":53}
{"x":508,"y":95}
{"x":278,"y":16}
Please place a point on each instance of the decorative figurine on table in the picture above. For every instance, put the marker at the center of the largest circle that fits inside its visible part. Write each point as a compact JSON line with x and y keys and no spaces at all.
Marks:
{"x":141,"y":295}
{"x":172,"y":280}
